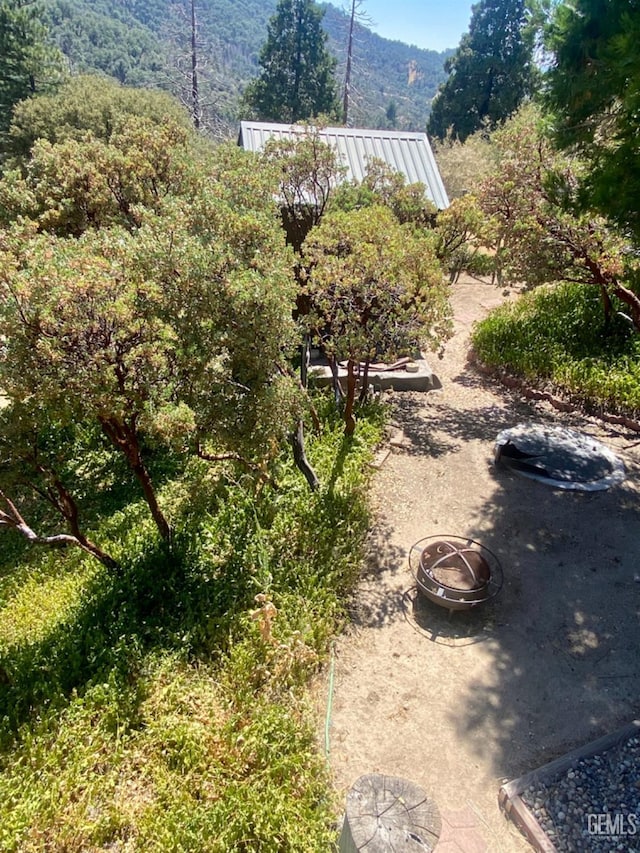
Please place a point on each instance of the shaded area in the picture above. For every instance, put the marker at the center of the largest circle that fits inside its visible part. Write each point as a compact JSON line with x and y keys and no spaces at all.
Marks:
{"x":191,"y":599}
{"x":462,"y":704}
{"x":156,"y":602}
{"x":371,"y":605}
{"x":565,"y":657}
{"x":433,"y":623}
{"x":437,"y":428}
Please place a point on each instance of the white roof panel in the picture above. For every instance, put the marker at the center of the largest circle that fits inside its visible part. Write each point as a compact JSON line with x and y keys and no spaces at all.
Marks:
{"x":407,"y":152}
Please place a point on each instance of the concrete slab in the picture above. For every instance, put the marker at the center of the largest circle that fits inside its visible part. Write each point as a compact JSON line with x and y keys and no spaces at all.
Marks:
{"x":419,"y":377}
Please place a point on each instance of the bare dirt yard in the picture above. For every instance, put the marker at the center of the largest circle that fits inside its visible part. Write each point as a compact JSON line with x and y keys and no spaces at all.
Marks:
{"x":459,"y":706}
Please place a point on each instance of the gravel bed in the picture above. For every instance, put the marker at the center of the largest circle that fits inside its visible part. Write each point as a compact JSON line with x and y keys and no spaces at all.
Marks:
{"x":594,"y":807}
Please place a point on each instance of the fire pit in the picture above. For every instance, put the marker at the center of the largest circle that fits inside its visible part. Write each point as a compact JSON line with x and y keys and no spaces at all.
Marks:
{"x":454,"y":572}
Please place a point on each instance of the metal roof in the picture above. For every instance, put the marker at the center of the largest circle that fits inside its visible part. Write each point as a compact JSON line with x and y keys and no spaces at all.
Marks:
{"x":406,"y":152}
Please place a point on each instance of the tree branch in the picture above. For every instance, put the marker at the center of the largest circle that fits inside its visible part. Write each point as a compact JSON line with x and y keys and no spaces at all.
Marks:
{"x":12,"y":519}
{"x":234,"y":457}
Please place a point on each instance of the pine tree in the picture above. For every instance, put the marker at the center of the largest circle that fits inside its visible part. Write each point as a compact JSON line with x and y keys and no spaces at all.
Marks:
{"x":297,"y":80}
{"x":490,"y":74}
{"x":27,"y":63}
{"x":594,"y":93}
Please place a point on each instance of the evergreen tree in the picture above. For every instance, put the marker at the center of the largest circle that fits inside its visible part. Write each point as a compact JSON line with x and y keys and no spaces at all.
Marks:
{"x":27,"y":63}
{"x":297,"y":80}
{"x":594,"y":91}
{"x":490,"y":74}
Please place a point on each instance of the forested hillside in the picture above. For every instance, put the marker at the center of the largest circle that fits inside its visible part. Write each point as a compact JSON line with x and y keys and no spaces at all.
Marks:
{"x":146,"y":42}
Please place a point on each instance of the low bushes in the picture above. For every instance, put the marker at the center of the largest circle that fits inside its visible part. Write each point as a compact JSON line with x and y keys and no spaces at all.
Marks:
{"x":559,"y":336}
{"x":165,"y":708}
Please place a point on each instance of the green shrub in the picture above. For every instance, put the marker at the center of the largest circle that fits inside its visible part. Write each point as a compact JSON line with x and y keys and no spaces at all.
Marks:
{"x":559,"y":336}
{"x":164,"y":708}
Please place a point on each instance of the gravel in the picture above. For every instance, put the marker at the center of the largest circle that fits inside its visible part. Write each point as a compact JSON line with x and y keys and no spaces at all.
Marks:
{"x":595,"y":806}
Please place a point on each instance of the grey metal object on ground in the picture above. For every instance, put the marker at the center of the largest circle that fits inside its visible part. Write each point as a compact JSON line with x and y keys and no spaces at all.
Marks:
{"x":419,"y":378}
{"x":560,"y":457}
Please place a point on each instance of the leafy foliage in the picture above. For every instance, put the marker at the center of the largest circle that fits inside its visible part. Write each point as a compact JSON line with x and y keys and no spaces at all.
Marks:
{"x":534,"y":225}
{"x":140,"y":311}
{"x":382,"y":185}
{"x":161,"y":707}
{"x":376,"y":283}
{"x":463,"y":235}
{"x":28,"y":63}
{"x":99,"y":38}
{"x":297,"y":77}
{"x":86,"y":105}
{"x":490,"y":74}
{"x":156,"y":699}
{"x":375,"y":290}
{"x":593,"y":90}
{"x":75,"y":185}
{"x":558,"y":337}
{"x":463,"y":165}
{"x":308,"y":171}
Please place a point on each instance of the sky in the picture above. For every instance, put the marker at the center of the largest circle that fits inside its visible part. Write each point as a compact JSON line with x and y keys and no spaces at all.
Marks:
{"x":430,"y":24}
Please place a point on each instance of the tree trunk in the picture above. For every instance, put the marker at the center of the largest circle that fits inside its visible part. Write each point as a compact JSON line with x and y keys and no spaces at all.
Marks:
{"x":349,"y":417}
{"x":12,"y":519}
{"x":607,"y":306}
{"x":305,"y":358}
{"x":69,"y":510}
{"x":299,"y":455}
{"x":297,"y":437}
{"x":195,"y":94}
{"x":125,"y":438}
{"x":347,"y":76}
{"x":338,"y":393}
{"x":364,"y":390}
{"x":150,"y":496}
{"x":631,"y":301}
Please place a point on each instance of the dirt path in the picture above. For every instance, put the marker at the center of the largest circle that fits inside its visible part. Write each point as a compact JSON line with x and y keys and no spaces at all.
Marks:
{"x":460,"y":706}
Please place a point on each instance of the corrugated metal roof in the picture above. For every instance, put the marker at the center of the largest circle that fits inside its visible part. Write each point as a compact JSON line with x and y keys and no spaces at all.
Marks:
{"x":408,"y":153}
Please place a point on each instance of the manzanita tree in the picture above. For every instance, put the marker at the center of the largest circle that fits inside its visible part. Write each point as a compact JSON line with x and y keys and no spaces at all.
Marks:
{"x":82,"y":105}
{"x":543,"y":233}
{"x":308,"y":171}
{"x":376,"y":291}
{"x":38,"y":456}
{"x":167,"y":318}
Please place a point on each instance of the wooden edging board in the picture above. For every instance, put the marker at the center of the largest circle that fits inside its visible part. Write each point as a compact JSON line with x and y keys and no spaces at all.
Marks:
{"x":519,"y":813}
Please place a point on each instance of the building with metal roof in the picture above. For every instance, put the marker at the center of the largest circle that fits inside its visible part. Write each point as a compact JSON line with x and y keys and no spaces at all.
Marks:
{"x":407,"y":153}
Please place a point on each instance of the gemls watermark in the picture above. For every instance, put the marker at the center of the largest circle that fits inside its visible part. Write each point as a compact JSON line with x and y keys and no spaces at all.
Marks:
{"x":608,"y":823}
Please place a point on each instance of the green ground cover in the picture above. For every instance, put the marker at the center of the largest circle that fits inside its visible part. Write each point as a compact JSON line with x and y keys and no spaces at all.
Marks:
{"x":558,"y":336}
{"x":166,"y":708}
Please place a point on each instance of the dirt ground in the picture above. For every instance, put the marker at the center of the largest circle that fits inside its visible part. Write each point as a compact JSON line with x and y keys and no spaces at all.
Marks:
{"x":460,"y":706}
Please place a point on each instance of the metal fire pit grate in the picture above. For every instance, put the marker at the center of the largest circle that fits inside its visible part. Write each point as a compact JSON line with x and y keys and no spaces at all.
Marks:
{"x":455,"y":572}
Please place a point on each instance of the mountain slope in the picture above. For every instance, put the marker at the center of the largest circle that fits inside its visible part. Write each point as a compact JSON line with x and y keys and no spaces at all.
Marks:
{"x":146,"y":43}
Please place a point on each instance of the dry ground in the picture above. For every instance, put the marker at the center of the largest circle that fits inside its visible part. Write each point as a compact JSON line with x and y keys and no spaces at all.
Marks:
{"x":460,"y":706}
